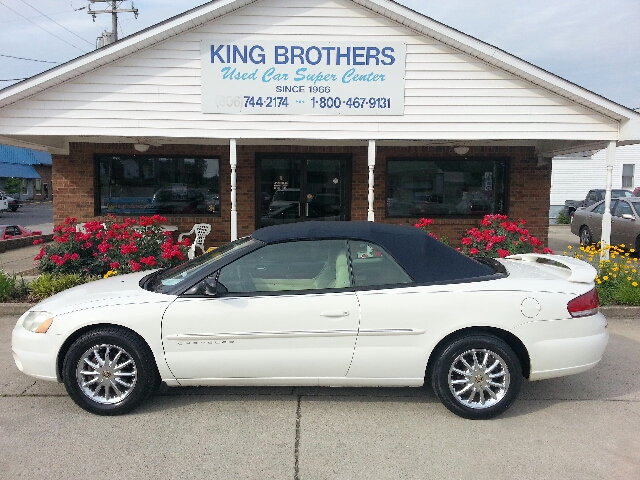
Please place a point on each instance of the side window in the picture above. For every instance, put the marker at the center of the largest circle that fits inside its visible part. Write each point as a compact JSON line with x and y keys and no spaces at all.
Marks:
{"x":290,"y":266}
{"x":599,"y":209}
{"x":622,"y":208}
{"x":373,"y":266}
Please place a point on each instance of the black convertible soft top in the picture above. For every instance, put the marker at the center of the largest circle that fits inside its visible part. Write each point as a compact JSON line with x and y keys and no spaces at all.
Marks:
{"x":423,"y":257}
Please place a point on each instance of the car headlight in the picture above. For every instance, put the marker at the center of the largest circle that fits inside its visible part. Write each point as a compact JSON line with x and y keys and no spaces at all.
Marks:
{"x":37,"y":322}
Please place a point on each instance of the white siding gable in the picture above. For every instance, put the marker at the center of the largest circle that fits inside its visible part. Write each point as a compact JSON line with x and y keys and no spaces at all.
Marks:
{"x":448,"y":95}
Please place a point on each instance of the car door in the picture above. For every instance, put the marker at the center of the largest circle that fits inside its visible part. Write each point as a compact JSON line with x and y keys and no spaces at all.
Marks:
{"x":623,"y":230}
{"x":285,"y":314}
{"x":594,"y":219}
{"x":389,"y":346}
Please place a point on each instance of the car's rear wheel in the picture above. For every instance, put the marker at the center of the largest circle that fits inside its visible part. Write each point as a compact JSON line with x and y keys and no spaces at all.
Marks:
{"x":477,"y":377}
{"x":109,"y":371}
{"x":585,"y":236}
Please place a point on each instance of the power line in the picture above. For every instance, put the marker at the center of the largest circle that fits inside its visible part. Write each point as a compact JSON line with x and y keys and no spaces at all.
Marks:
{"x":62,"y":26}
{"x":12,"y":79}
{"x":53,"y":14}
{"x":42,"y":28}
{"x":30,"y":59}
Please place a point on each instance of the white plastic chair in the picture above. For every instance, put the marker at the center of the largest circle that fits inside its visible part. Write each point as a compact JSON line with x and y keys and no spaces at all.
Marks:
{"x":201,"y":230}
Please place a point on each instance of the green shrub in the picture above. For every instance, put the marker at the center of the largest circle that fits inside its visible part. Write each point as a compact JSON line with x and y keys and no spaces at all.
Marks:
{"x":11,"y":288}
{"x":562,"y":218}
{"x":48,"y":284}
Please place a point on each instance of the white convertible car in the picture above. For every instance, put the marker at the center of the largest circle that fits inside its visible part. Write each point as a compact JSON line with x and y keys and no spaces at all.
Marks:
{"x":321,"y":303}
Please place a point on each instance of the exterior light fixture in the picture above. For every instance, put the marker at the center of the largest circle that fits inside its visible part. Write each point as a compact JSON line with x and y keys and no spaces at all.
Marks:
{"x":461,"y":150}
{"x":141,"y":147}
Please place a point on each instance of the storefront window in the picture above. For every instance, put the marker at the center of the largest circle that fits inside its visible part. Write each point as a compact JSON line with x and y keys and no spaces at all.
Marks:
{"x":445,"y":187}
{"x":135,"y":185}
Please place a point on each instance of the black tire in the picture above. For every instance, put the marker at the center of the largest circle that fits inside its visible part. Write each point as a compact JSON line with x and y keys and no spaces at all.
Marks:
{"x":109,"y":387}
{"x":586,"y":238}
{"x":493,"y":358}
{"x":13,"y":209}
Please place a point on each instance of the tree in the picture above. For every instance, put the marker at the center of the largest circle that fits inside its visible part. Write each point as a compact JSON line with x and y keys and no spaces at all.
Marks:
{"x":13,"y":185}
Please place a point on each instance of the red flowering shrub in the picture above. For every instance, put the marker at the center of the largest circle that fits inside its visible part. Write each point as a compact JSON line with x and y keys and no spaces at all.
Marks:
{"x":498,"y":237}
{"x":424,"y":224}
{"x":126,"y":247}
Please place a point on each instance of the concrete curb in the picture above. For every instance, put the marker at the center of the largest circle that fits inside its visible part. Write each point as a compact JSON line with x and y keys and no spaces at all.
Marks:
{"x":14,"y":308}
{"x":609,"y":311}
{"x":620,"y":311}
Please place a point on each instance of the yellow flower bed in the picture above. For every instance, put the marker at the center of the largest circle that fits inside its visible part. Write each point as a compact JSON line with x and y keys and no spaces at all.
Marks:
{"x":618,"y":278}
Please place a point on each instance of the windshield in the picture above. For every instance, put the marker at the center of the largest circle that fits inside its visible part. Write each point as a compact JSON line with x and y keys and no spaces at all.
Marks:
{"x":287,"y":195}
{"x":169,"y":278}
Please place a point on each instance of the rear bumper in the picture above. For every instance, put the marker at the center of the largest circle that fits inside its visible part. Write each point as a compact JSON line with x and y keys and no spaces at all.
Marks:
{"x":564,"y":347}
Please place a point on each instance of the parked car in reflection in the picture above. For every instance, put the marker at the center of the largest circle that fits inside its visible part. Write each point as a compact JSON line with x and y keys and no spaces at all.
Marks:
{"x":12,"y":203}
{"x":8,"y":232}
{"x":291,"y":214}
{"x":170,"y":200}
{"x":625,"y":223}
{"x":284,"y":198}
{"x":321,"y":304}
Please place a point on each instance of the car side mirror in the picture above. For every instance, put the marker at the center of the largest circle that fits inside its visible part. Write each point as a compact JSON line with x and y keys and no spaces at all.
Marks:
{"x":628,"y":216}
{"x":208,"y":287}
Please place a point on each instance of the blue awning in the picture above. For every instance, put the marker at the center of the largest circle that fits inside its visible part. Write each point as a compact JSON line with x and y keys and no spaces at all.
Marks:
{"x":17,"y":171}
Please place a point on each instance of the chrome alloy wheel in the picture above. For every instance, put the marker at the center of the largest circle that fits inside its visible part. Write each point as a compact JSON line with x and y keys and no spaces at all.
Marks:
{"x":479,"y":378}
{"x":106,"y":374}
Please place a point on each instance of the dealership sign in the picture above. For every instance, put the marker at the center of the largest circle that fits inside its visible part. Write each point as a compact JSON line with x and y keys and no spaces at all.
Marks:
{"x":303,"y":78}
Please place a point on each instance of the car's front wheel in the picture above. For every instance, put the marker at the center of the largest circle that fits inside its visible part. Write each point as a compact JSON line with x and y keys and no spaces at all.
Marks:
{"x":585,"y":236}
{"x":477,"y":377}
{"x":109,"y":371}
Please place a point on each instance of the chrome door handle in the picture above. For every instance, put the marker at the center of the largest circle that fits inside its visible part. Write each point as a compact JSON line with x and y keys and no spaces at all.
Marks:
{"x":334,"y":313}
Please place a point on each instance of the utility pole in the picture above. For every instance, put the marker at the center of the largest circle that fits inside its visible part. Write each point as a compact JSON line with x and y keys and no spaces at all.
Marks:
{"x":114,"y":9}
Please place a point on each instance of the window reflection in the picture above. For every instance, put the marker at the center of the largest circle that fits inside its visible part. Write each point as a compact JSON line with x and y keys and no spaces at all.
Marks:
{"x":162,"y":185}
{"x":437,"y":187}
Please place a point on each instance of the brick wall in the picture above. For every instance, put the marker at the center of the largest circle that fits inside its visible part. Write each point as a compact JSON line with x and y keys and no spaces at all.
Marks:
{"x":529,"y":185}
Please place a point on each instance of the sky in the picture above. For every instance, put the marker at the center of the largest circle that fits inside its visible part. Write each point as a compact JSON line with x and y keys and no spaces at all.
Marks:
{"x":593,"y":43}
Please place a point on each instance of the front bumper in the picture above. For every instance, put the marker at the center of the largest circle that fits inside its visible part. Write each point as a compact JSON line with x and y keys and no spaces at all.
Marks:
{"x":564,"y":347}
{"x":35,"y":354}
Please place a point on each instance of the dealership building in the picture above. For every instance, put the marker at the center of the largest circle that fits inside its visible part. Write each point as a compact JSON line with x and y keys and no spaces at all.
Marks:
{"x":247,"y":113}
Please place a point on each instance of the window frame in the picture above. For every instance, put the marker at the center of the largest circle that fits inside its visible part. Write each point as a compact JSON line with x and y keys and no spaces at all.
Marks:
{"x":505,"y":162}
{"x":97,"y":182}
{"x":629,"y":184}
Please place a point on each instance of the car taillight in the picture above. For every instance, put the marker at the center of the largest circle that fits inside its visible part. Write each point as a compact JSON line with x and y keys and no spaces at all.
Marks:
{"x":584,"y":305}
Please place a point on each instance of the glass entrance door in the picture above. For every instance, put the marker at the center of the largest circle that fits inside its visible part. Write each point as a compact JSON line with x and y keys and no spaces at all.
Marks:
{"x":302,"y":188}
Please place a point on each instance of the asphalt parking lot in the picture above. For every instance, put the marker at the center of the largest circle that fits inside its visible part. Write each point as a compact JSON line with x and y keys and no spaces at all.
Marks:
{"x":580,"y":427}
